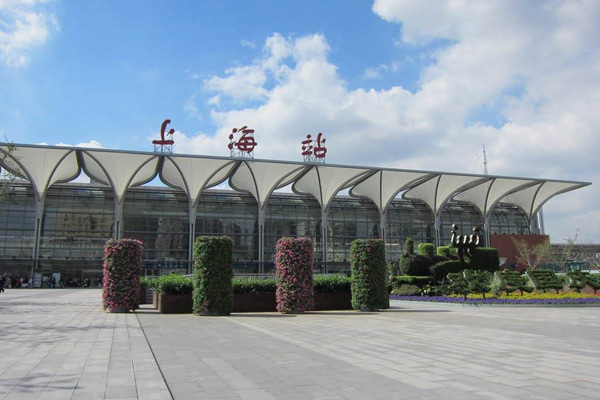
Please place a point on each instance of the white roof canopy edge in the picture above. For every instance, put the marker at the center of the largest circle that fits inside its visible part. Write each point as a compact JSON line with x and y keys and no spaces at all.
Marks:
{"x":530,"y":196}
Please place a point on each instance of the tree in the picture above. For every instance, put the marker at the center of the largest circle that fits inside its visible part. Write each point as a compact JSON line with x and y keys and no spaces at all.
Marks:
{"x":532,"y":255}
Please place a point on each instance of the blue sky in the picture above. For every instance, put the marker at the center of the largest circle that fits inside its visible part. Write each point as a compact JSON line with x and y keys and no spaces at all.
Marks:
{"x":394,"y":83}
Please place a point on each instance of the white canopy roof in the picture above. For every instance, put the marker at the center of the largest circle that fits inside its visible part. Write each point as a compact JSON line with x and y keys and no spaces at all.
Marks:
{"x":193,"y":174}
{"x":383,"y":186}
{"x":46,"y":165}
{"x":42,"y":166}
{"x":437,"y":191}
{"x":261,"y":178}
{"x":120,"y":170}
{"x":532,"y":198}
{"x":324,"y":182}
{"x":487,"y":194}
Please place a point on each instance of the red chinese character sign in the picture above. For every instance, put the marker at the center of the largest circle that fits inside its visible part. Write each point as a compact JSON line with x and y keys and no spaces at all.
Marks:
{"x":314,"y":151}
{"x":165,"y":144}
{"x":244,"y":146}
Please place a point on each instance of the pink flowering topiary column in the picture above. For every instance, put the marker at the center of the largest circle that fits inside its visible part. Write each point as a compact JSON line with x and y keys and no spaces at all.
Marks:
{"x":294,"y":263}
{"x":122,"y":271}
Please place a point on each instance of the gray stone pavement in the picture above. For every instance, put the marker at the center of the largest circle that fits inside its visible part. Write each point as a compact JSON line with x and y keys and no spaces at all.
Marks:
{"x":414,"y":351}
{"x":59,"y":344}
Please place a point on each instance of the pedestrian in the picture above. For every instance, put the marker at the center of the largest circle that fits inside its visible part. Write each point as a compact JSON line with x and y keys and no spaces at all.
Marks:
{"x":2,"y":282}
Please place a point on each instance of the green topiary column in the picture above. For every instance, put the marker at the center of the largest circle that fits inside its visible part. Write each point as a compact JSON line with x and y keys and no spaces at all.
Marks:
{"x":369,"y":285}
{"x":122,"y":271}
{"x":294,"y":263}
{"x":213,"y":272}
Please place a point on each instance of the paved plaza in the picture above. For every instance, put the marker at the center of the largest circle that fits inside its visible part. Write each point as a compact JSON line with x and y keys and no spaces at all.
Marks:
{"x":59,"y":344}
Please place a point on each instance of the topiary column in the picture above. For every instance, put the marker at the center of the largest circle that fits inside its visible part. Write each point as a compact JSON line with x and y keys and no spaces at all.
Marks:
{"x":293,"y":275}
{"x":122,"y":271}
{"x":213,"y":272}
{"x":369,"y":286}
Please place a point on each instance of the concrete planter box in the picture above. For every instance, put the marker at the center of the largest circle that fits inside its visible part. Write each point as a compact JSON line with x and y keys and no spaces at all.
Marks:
{"x":142,"y":297}
{"x":333,"y":301}
{"x":175,"y":303}
{"x":250,"y":302}
{"x":155,"y":300}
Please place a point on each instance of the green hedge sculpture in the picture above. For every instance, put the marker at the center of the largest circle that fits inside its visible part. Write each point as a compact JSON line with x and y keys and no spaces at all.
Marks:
{"x":213,"y":272}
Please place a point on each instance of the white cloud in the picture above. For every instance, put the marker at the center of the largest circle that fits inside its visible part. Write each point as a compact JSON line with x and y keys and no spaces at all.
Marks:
{"x":536,"y":66}
{"x":93,"y":144}
{"x":23,"y":25}
{"x":375,"y":72}
{"x":248,"y":43}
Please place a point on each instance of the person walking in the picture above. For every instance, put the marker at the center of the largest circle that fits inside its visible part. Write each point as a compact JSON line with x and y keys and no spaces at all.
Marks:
{"x":2,"y":283}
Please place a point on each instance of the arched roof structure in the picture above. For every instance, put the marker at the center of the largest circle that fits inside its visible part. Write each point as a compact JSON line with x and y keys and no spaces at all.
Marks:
{"x":46,"y":165}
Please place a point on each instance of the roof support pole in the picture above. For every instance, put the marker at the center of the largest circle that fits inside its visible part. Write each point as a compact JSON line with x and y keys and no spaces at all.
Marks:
{"x":118,"y":217}
{"x":438,"y":229}
{"x":383,"y":225}
{"x":261,"y":239}
{"x":324,"y":219}
{"x":37,"y":233}
{"x":486,"y":228}
{"x":192,"y":236}
{"x":532,"y":220}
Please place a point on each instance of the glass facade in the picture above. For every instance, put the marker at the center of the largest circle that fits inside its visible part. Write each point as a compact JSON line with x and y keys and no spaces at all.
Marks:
{"x":292,"y":216}
{"x":349,"y":219}
{"x":234,"y":215}
{"x":407,"y":219}
{"x":464,"y":215}
{"x":77,"y":222}
{"x":509,"y":219}
{"x":17,"y":225}
{"x":160,"y":221}
{"x":78,"y":219}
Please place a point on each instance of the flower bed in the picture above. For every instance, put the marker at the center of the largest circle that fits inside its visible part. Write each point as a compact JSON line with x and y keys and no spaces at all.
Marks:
{"x":528,"y":298}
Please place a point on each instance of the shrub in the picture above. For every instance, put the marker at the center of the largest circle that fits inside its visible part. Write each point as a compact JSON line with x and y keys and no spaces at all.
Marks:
{"x":369,"y":289}
{"x":419,"y":281}
{"x":509,"y":281}
{"x":458,"y":284}
{"x":435,"y":259}
{"x":410,"y":246}
{"x":122,"y":271}
{"x":254,"y":285}
{"x":485,"y":259}
{"x":213,"y":272}
{"x":418,"y":265}
{"x":144,"y":285}
{"x":593,"y":281}
{"x":174,"y":284}
{"x":407,"y":290}
{"x":332,"y":284}
{"x":479,"y":281}
{"x":576,"y":280}
{"x":293,"y":275}
{"x":545,"y":279}
{"x":404,"y":265}
{"x":426,"y":249}
{"x":441,"y":270}
{"x":446,"y":251}
{"x":393,"y":269}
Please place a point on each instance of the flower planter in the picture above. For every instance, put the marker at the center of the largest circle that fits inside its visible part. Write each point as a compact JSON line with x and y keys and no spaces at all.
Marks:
{"x":333,"y":301}
{"x":250,"y":302}
{"x":175,"y":303}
